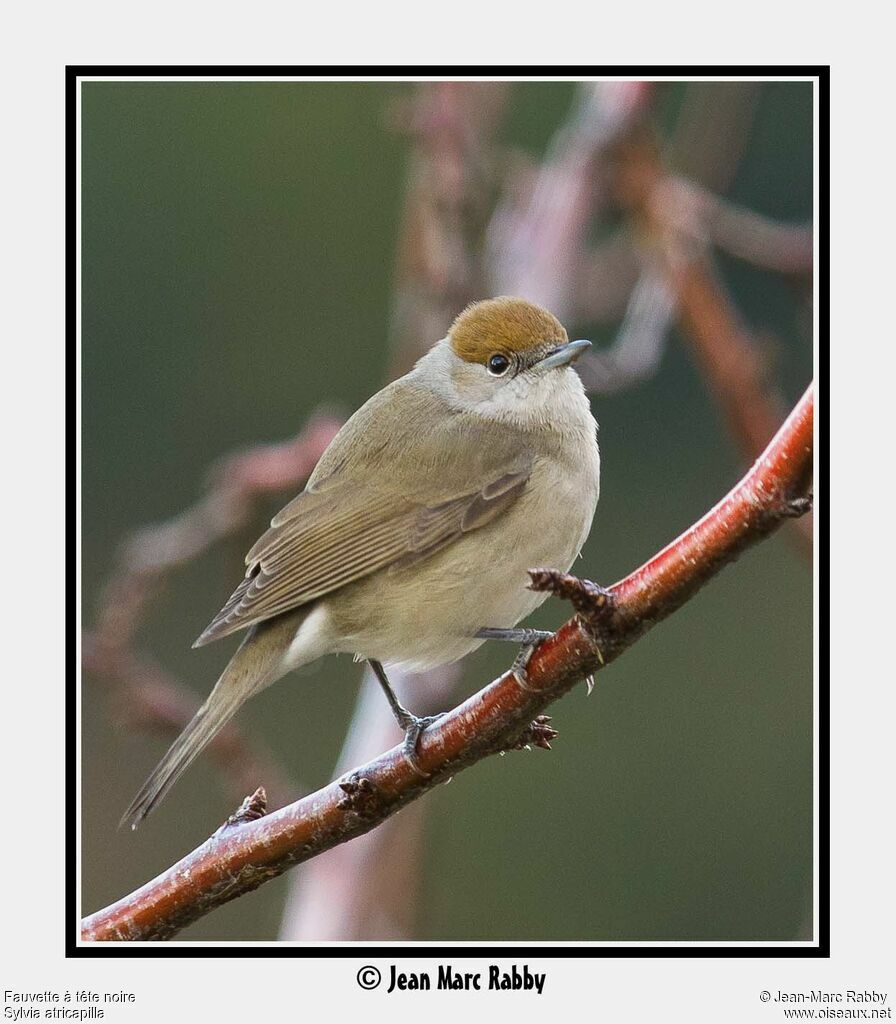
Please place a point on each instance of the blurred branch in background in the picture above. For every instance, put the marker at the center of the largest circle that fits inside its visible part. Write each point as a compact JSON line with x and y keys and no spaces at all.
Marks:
{"x":143,"y":696}
{"x":710,"y":136}
{"x":638,"y":347}
{"x":537,"y":237}
{"x":480,"y":220}
{"x":505,"y":715}
{"x":672,"y":221}
{"x":712,"y":132}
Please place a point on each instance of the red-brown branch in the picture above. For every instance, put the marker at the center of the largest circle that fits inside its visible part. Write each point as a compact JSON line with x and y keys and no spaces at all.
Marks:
{"x":239,"y":859}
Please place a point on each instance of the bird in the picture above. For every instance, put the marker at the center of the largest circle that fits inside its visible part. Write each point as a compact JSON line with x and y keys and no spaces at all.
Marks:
{"x":410,"y":544}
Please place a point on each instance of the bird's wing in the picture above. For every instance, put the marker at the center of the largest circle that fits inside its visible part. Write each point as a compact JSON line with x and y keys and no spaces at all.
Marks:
{"x":378,"y":499}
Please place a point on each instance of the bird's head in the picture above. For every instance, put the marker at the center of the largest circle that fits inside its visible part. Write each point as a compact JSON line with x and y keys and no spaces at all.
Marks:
{"x":509,"y":358}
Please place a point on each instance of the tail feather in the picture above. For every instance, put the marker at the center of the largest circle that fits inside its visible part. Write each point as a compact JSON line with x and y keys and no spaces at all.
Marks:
{"x":257,"y":663}
{"x":206,"y":723}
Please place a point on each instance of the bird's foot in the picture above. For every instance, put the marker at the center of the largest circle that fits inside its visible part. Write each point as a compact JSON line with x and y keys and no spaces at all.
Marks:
{"x":412,"y":725}
{"x":521,"y":663}
{"x":528,"y":638}
{"x":413,"y":730}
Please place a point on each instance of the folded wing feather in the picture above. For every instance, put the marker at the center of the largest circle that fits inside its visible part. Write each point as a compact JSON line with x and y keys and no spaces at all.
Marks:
{"x":336,"y":532}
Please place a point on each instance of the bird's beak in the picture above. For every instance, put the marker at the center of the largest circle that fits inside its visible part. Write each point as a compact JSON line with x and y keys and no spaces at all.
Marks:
{"x":562,"y":356}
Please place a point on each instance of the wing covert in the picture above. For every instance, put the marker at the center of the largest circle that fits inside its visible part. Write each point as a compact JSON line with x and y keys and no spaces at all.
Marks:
{"x":336,"y":532}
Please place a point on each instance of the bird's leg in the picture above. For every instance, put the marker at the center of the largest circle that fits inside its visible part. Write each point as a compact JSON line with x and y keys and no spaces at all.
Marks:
{"x":520,"y":635}
{"x":529,"y":639}
{"x":412,"y":725}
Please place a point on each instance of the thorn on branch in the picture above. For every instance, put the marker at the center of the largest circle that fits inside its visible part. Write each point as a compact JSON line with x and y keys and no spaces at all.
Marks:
{"x":796,"y":507}
{"x":536,"y":734}
{"x":251,"y":809}
{"x":361,"y":796}
{"x":594,"y":604}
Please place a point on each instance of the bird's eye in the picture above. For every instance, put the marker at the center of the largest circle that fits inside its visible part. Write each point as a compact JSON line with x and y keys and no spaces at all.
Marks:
{"x":497,"y":364}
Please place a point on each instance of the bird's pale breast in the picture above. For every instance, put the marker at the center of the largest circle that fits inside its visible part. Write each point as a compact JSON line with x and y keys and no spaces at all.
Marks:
{"x":427,"y":614}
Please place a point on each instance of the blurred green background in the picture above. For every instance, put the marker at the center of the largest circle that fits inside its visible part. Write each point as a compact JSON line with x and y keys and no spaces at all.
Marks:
{"x":238,"y":251}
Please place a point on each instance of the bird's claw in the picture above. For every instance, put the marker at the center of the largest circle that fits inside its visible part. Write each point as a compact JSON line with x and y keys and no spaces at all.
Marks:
{"x":413,"y":729}
{"x":529,"y":638}
{"x":520,"y":663}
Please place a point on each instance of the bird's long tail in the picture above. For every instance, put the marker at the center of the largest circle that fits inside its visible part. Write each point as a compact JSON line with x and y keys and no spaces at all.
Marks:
{"x":257,"y":662}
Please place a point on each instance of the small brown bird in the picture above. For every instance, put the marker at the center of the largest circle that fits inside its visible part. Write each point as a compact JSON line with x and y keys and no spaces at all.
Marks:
{"x":410,"y":543}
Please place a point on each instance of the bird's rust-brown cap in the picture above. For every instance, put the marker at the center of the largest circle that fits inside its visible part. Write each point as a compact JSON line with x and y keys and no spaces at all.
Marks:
{"x":507,"y":325}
